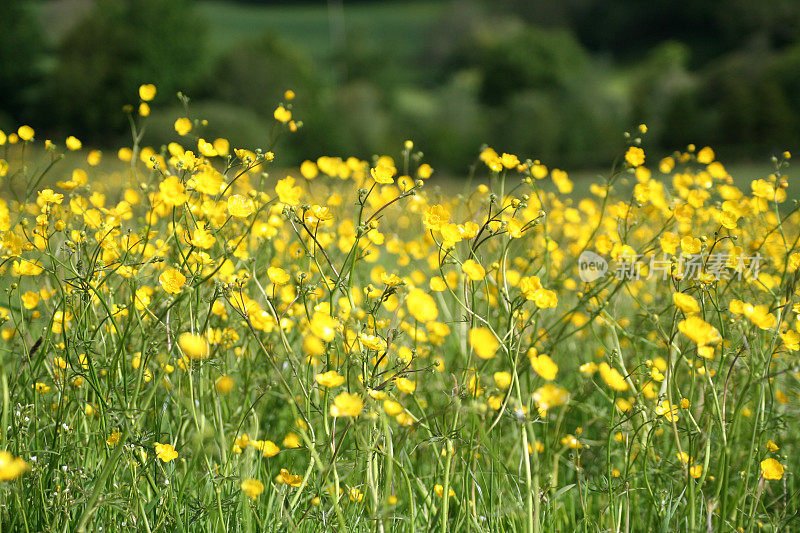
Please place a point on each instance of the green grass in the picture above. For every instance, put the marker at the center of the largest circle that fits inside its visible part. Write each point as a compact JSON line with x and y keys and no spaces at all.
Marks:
{"x":403,"y":24}
{"x":742,"y":172}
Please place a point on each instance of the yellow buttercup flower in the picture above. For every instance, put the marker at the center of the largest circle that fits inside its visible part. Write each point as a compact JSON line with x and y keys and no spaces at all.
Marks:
{"x":47,"y":196}
{"x":282,"y":114}
{"x":691,"y":245}
{"x":634,"y":156}
{"x":172,"y":281}
{"x":286,"y":478}
{"x":172,"y":191}
{"x":545,"y":299}
{"x":473,"y":270}
{"x":346,"y":405}
{"x":165,"y":452}
{"x":437,"y":284}
{"x":252,"y":488}
{"x":355,"y":494}
{"x":612,"y":377}
{"x":763,"y":189}
{"x":309,"y":170}
{"x":330,"y":379}
{"x":404,"y":384}
{"x":278,"y":276}
{"x":544,"y":366}
{"x":514,"y":228}
{"x":424,"y":171}
{"x":25,"y":133}
{"x":421,"y":305}
{"x":435,"y":217}
{"x":623,"y":405}
{"x":453,"y":234}
{"x":509,"y":160}
{"x":771,"y":469}
{"x":392,"y":408}
{"x":372,"y":342}
{"x":206,"y":148}
{"x":548,"y":396}
{"x":240,"y":206}
{"x":700,"y":331}
{"x":222,"y":147}
{"x":287,"y":192}
{"x":27,"y":268}
{"x":562,"y":181}
{"x":324,"y":326}
{"x":502,"y":380}
{"x":183,"y":126}
{"x":439,"y":490}
{"x":571,"y":442}
{"x":483,"y":342}
{"x":292,"y":440}
{"x":729,"y":219}
{"x":383,"y":174}
{"x":266,"y":447}
{"x":147,"y":92}
{"x":194,"y":346}
{"x":113,"y":438}
{"x":73,"y":143}
{"x":685,"y":302}
{"x":391,"y":280}
{"x":705,"y":155}
{"x":667,"y":410}
{"x":224,"y":384}
{"x":791,"y":340}
{"x":11,"y":467}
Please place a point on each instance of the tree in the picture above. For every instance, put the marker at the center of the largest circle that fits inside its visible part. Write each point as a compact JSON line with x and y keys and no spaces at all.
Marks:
{"x":118,"y":46}
{"x":21,"y":50}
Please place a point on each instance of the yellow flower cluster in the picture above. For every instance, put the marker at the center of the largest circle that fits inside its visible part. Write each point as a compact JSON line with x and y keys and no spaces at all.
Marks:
{"x":198,"y":292}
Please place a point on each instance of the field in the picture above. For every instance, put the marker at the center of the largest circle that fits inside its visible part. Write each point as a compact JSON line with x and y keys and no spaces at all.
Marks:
{"x":194,"y":339}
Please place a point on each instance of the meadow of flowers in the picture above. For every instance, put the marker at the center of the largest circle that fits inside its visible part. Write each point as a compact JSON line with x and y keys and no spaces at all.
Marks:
{"x":199,"y":337}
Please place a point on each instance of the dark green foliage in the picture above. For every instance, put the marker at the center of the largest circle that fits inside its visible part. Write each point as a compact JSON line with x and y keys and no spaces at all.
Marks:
{"x":627,"y":28}
{"x":238,"y":124}
{"x":541,"y":94}
{"x":118,"y":46}
{"x":745,"y":103}
{"x":554,"y":80}
{"x":256,"y":73}
{"x":21,"y":49}
{"x":519,"y":59}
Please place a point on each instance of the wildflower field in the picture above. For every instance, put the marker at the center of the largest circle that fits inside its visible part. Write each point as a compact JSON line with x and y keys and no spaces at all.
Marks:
{"x":202,"y":337}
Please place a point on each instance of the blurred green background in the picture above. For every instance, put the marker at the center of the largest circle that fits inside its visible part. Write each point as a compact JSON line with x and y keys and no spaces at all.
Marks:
{"x":558,"y":80}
